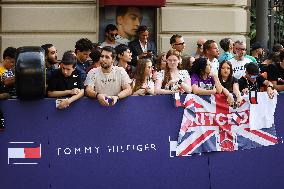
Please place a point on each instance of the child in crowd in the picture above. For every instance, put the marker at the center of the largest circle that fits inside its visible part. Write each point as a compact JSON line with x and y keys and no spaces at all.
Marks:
{"x":142,"y":82}
{"x":173,"y":79}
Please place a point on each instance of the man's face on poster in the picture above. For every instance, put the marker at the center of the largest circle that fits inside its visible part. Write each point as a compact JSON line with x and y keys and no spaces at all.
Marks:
{"x":128,"y":23}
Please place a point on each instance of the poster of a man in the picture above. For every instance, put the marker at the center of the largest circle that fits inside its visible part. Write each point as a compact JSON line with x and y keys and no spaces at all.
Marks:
{"x":127,"y":20}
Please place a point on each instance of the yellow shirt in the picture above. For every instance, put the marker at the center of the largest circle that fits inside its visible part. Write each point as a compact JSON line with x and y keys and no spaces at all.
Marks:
{"x":2,"y":70}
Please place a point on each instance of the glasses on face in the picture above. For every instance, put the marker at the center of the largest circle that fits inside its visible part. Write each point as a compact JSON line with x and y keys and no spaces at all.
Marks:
{"x":172,"y":60}
{"x":180,"y":43}
{"x":241,"y":49}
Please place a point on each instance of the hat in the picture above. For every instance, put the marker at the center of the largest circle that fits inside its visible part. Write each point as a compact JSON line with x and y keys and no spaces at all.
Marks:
{"x":256,"y":45}
{"x":252,"y":69}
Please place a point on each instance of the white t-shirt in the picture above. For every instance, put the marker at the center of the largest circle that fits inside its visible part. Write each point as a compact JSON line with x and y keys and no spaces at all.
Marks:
{"x":107,"y":83}
{"x":183,"y":75}
{"x":214,"y":65}
{"x":238,"y":67}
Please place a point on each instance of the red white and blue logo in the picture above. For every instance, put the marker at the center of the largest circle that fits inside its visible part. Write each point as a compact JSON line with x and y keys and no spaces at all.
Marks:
{"x":25,"y":153}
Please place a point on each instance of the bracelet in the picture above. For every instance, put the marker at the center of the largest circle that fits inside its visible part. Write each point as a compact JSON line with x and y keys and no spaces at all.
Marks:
{"x":180,"y":82}
{"x":97,"y":95}
{"x":270,"y":86}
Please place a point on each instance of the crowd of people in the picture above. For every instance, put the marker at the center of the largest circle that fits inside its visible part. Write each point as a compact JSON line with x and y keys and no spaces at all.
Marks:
{"x":111,"y":71}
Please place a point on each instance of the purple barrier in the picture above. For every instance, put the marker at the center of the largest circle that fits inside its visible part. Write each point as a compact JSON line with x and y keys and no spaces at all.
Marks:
{"x":125,"y":146}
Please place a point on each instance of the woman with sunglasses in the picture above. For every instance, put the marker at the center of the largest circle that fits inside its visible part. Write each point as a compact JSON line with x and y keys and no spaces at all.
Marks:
{"x":229,"y":83}
{"x":142,"y":82}
{"x":204,"y":82}
{"x":173,"y":79}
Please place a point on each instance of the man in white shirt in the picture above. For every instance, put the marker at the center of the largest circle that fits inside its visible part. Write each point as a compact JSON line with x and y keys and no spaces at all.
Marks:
{"x":108,"y":83}
{"x":239,"y":61}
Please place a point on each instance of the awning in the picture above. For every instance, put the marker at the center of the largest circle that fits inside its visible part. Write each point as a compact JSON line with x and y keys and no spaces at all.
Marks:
{"x":145,"y":3}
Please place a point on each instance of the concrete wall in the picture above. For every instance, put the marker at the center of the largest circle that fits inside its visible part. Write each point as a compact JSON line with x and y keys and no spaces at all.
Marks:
{"x":212,"y":19}
{"x":36,"y":22}
{"x":62,"y":22}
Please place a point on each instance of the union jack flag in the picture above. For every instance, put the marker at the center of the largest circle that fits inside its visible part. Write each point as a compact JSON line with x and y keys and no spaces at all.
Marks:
{"x":210,"y":124}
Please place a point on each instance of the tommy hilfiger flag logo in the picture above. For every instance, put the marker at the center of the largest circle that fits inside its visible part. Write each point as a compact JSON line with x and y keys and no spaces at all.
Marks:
{"x":26,"y":152}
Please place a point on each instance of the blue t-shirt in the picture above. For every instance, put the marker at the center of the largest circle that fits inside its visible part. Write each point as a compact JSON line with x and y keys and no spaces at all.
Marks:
{"x":225,"y":56}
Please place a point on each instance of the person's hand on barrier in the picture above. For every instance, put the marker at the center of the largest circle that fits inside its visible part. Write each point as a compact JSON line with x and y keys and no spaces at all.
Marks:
{"x":172,"y":82}
{"x":114,"y":100}
{"x":270,"y":92}
{"x":75,"y":91}
{"x":239,"y":100}
{"x":63,"y":104}
{"x":147,"y":90}
{"x":230,"y":100}
{"x":140,"y":92}
{"x":102,"y":99}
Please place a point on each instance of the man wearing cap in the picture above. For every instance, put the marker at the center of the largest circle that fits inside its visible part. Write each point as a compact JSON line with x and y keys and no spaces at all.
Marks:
{"x":66,"y":82}
{"x":253,"y":81}
{"x":257,"y":52}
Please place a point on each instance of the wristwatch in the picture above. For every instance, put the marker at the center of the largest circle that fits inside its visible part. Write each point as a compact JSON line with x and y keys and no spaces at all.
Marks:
{"x":270,"y":87}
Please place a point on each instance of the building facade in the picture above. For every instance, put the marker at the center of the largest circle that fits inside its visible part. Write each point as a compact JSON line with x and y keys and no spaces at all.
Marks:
{"x":63,"y":22}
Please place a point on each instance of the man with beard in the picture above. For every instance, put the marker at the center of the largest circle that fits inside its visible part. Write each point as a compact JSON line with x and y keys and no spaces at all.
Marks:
{"x":50,"y":59}
{"x":108,"y":83}
{"x":124,"y":56}
{"x":110,"y":34}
